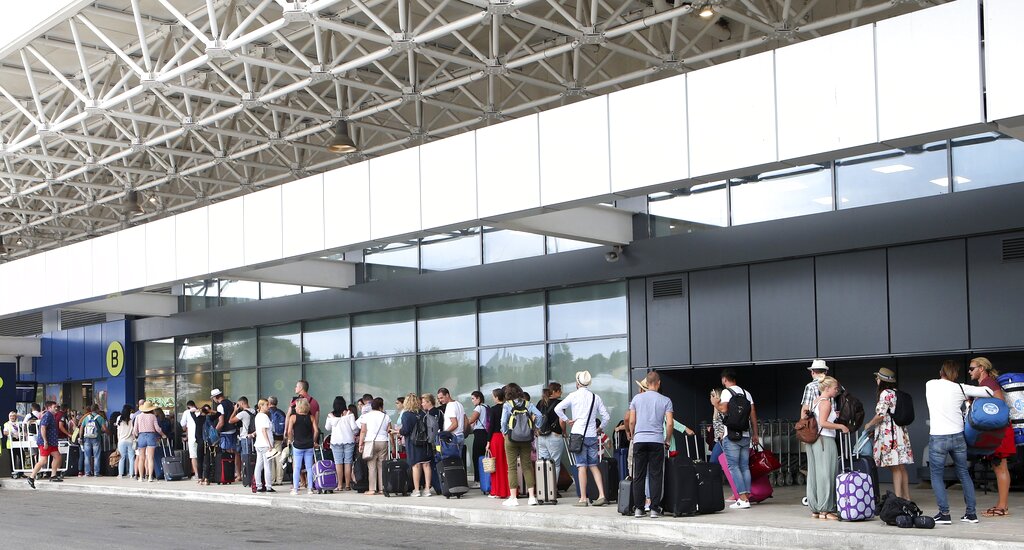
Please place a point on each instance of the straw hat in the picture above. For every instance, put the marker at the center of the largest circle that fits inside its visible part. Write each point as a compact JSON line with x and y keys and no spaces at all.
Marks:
{"x":886,"y":375}
{"x":583,"y":378}
{"x":148,"y":406}
{"x":818,"y":364}
{"x":642,"y":383}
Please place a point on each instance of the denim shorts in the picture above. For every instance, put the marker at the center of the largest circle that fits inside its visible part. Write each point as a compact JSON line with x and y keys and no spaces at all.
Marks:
{"x":343,"y":452}
{"x":245,"y":446}
{"x":228,"y":442}
{"x":590,"y":455}
{"x":147,"y":439}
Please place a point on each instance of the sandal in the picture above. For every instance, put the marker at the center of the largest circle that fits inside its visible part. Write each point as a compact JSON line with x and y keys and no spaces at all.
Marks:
{"x":829,"y":516}
{"x":994,"y":512}
{"x":814,"y":515}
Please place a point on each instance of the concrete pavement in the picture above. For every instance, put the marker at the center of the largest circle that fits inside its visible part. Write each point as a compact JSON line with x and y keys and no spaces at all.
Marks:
{"x":780,"y":522}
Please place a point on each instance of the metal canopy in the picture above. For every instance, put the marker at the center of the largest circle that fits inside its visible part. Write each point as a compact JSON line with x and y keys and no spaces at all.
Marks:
{"x":131,"y":110}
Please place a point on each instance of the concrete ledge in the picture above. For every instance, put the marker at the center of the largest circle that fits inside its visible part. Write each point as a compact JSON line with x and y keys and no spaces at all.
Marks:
{"x":781,"y":525}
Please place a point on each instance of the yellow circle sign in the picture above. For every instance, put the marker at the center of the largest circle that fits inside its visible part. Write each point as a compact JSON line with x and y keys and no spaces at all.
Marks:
{"x":115,"y":358}
{"x":1,"y":382}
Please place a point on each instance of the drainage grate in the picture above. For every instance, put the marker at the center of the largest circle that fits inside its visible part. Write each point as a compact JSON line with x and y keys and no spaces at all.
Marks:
{"x":667,"y":288}
{"x":1013,"y":249}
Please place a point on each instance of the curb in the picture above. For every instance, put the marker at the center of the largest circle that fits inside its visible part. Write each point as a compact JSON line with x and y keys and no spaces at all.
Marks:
{"x":688,"y":531}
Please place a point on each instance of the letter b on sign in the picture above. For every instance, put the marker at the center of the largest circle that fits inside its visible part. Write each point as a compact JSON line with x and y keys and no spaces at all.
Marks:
{"x":115,"y":358}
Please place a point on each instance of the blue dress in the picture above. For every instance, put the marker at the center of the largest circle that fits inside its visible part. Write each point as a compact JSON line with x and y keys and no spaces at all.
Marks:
{"x":415,"y":454}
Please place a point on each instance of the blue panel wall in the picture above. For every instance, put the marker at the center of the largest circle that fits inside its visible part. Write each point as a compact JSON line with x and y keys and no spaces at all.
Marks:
{"x":76,"y":353}
{"x":59,"y":365}
{"x":94,"y":349}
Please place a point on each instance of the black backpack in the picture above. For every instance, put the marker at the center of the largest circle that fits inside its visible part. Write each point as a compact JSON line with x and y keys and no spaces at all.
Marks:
{"x":903,"y":412}
{"x":549,"y":420}
{"x":891,"y":507}
{"x":421,"y":432}
{"x":737,"y":415}
{"x":849,"y":410}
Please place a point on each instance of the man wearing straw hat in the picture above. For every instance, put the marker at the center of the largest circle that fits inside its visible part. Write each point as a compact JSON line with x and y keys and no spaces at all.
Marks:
{"x":587,"y":407}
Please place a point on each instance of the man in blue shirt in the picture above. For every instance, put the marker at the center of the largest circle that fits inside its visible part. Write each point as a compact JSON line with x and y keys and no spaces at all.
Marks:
{"x":47,"y":441}
{"x":650,"y":422}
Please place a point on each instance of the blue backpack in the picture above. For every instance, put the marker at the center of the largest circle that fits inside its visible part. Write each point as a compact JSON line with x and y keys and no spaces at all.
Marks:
{"x":210,"y":434}
{"x":277,"y":419}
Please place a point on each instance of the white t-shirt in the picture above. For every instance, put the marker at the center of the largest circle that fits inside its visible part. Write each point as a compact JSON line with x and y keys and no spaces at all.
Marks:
{"x":263,"y":427}
{"x":481,"y":420}
{"x":246,"y":418}
{"x":726,"y":396}
{"x":454,"y":410}
{"x":945,"y":401}
{"x":343,"y":429}
{"x":189,"y":424}
{"x":375,"y":424}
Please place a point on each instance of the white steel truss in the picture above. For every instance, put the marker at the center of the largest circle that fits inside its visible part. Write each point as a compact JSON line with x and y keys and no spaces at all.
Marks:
{"x":134,"y":109}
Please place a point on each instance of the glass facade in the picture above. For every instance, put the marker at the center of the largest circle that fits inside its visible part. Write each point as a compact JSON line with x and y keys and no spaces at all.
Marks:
{"x":526,"y":338}
{"x":970,"y":162}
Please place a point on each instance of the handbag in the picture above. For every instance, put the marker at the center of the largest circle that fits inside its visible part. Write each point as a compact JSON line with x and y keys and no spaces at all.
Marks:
{"x":490,"y":465}
{"x":762,"y":462}
{"x":576,"y":440}
{"x":807,"y":429}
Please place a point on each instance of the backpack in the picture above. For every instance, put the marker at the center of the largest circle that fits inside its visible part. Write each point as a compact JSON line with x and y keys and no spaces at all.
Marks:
{"x":421,"y":432}
{"x":252,"y":422}
{"x":849,"y":410}
{"x":91,"y":427}
{"x":277,"y":420}
{"x":892,"y":507}
{"x":433,"y":428}
{"x":903,"y":412}
{"x":737,"y":415}
{"x":520,"y":422}
{"x":210,"y":434}
{"x":549,"y":420}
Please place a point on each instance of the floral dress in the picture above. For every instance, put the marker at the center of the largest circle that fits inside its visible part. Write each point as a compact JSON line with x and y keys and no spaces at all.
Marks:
{"x":892,"y":442}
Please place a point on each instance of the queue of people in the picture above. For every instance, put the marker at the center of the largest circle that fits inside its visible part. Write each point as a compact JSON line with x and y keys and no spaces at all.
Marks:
{"x":513,"y":431}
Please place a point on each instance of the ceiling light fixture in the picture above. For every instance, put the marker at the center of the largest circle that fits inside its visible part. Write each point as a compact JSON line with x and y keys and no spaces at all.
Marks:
{"x":342,"y":143}
{"x":892,"y":168}
{"x":706,"y":12}
{"x":19,"y":242}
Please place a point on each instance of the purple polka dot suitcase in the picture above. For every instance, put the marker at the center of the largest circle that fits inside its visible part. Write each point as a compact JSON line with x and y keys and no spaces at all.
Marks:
{"x":855,"y":493}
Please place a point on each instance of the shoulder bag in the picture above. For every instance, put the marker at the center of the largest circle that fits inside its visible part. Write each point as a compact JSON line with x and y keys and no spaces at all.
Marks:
{"x":576,"y":440}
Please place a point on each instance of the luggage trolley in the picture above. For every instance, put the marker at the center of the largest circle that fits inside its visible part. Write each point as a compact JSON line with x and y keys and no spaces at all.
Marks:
{"x":25,"y":451}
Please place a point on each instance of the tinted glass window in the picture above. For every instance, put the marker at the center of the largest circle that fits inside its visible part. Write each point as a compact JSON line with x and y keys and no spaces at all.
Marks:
{"x":453,"y":370}
{"x":608,"y":363}
{"x":383,"y":333}
{"x":523,"y":365}
{"x":581,"y":312}
{"x":893,"y":175}
{"x":987,"y":160}
{"x":512,"y":319}
{"x":280,"y":344}
{"x":451,"y":251}
{"x":326,"y":339}
{"x":502,"y":245}
{"x":447,"y":326}
{"x":782,"y":194}
{"x":235,"y":348}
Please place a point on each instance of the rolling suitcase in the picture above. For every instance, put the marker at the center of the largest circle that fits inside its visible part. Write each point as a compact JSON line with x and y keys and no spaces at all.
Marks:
{"x":547,"y":485}
{"x":174,"y":469}
{"x":679,"y":496}
{"x":710,"y":498}
{"x":71,"y":460}
{"x":248,"y":464}
{"x":760,"y":488}
{"x":224,"y":468}
{"x":324,"y":475}
{"x":454,"y":482}
{"x":608,"y":468}
{"x":397,"y":476}
{"x":625,"y":500}
{"x":485,"y":478}
{"x":360,"y":474}
{"x":855,"y":494}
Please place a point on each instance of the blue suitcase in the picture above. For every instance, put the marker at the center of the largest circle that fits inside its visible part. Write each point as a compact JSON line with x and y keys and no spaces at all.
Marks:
{"x":485,"y":478}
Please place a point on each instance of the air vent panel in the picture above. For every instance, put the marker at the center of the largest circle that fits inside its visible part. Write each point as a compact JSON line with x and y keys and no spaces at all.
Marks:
{"x":1013,"y":249}
{"x":667,"y":288}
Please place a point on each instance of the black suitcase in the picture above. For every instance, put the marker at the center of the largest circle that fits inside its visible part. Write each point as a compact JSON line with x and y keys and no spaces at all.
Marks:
{"x":609,"y":469}
{"x":74,"y":452}
{"x":625,"y":499}
{"x":866,"y":465}
{"x":679,"y":496}
{"x":360,"y":474}
{"x":454,"y":481}
{"x":397,"y":478}
{"x":710,"y":498}
{"x":248,"y":469}
{"x":172,"y":465}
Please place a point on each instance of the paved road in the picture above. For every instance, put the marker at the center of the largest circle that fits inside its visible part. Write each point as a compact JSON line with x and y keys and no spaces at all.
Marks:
{"x":52,"y":520}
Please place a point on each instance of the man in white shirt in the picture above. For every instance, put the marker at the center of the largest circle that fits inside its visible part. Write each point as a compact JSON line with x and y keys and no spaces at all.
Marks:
{"x":946,"y":399}
{"x":192,"y":435}
{"x":736,"y":445}
{"x":586,"y":407}
{"x":454,"y":417}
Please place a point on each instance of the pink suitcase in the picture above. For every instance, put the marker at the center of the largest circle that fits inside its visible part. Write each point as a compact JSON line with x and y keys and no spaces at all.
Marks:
{"x":760,"y":488}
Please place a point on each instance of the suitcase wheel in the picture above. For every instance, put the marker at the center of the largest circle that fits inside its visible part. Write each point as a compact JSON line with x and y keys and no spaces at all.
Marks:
{"x":459,"y":497}
{"x":554,"y":502}
{"x":446,"y":497}
{"x":387,"y":494}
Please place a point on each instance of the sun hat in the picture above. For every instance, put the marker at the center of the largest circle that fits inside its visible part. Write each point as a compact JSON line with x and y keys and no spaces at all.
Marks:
{"x":148,"y":406}
{"x":583,"y":378}
{"x":642,"y":383}
{"x":216,"y":392}
{"x":886,"y":375}
{"x":818,"y":364}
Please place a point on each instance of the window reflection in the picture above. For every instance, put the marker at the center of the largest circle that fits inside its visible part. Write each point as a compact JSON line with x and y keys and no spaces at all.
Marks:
{"x":447,"y":326}
{"x":608,"y":363}
{"x":987,"y":160}
{"x":157,"y":357}
{"x":559,"y":244}
{"x":279,"y":382}
{"x":383,"y":333}
{"x":235,"y":348}
{"x":238,"y":292}
{"x":893,"y":175}
{"x":501,"y":245}
{"x":157,"y":389}
{"x":326,"y":339}
{"x":327,"y":380}
{"x":195,"y":354}
{"x":392,"y":261}
{"x":702,"y":206}
{"x":782,"y":194}
{"x":523,"y":365}
{"x":512,"y":319}
{"x":280,"y":344}
{"x":595,"y":310}
{"x":451,"y":251}
{"x":385,"y":377}
{"x":453,"y":370}
{"x":193,"y":387}
{"x":241,"y":383}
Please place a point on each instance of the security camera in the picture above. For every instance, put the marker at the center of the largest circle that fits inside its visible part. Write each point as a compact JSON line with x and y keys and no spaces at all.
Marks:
{"x":613,"y":255}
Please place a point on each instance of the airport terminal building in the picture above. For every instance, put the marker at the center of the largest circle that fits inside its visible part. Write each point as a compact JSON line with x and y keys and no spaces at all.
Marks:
{"x":856,"y":196}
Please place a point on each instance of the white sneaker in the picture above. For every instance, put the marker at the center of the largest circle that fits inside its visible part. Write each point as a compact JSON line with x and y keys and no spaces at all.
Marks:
{"x":740,"y":505}
{"x":511,"y":501}
{"x":295,"y":492}
{"x":532,"y":501}
{"x":426,"y":492}
{"x":417,"y":494}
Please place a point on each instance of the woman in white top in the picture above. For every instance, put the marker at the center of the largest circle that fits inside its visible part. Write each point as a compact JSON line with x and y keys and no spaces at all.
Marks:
{"x":263,"y":443}
{"x":125,"y":444}
{"x":822,"y":455}
{"x":342,"y":425}
{"x":373,"y":444}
